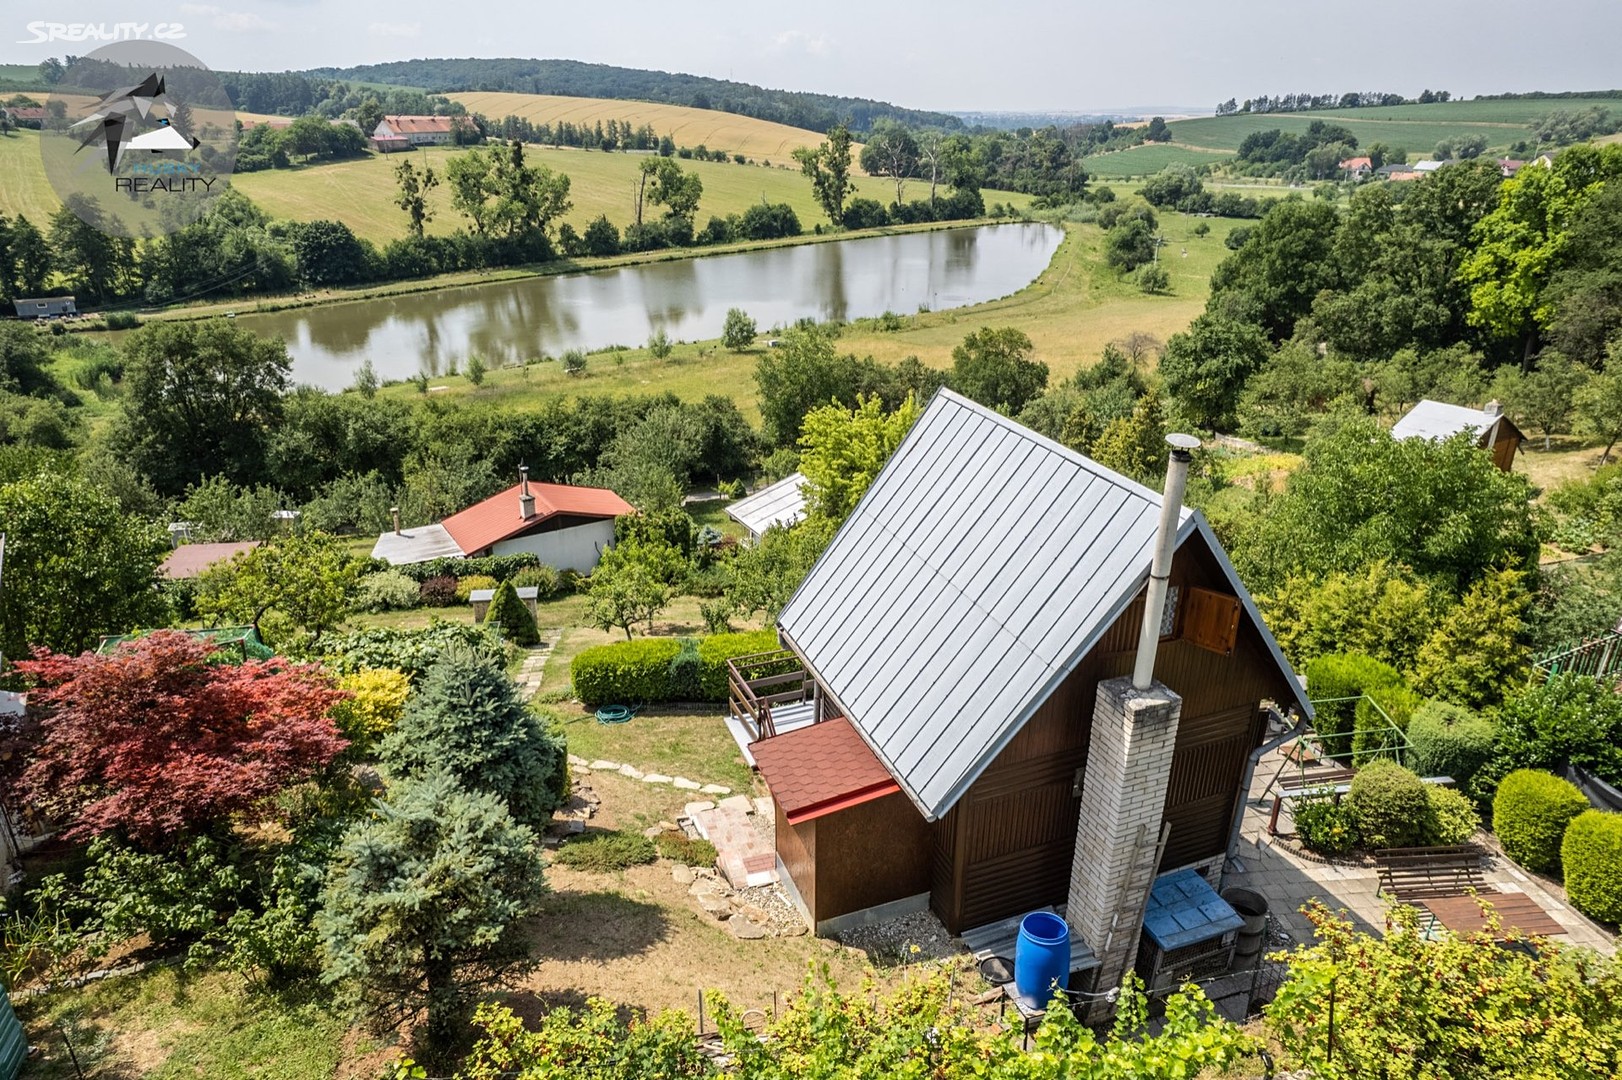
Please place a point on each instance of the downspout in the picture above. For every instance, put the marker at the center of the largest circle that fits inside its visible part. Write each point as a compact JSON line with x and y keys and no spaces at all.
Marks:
{"x":1243,"y":796}
{"x":1154,"y":598}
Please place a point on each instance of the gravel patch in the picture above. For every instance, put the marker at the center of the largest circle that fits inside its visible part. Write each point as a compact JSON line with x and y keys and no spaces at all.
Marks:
{"x":892,"y":941}
{"x":782,"y":918}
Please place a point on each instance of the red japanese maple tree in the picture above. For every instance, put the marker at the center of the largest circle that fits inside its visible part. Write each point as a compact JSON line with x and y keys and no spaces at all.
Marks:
{"x":154,"y":741}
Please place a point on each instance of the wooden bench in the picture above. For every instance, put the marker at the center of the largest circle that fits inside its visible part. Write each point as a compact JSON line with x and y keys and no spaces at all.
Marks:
{"x":1414,"y":875}
{"x":1329,"y":781}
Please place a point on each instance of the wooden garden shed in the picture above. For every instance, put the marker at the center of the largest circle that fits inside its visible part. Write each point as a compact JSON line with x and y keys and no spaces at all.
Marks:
{"x":954,"y":637}
{"x":1493,"y":431}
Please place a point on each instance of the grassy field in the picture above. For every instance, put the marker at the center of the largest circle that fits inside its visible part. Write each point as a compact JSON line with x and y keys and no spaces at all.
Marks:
{"x":1415,"y":128}
{"x":759,"y":139}
{"x":1147,"y":160}
{"x":361,"y":192}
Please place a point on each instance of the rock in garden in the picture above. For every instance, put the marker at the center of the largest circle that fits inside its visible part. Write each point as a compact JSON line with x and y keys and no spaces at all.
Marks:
{"x":715,"y":789}
{"x":682,"y":874}
{"x":685,"y":784}
{"x":655,"y":778}
{"x":602,"y":765}
{"x":744,"y":930}
{"x":630,"y":772}
{"x":653,"y":832}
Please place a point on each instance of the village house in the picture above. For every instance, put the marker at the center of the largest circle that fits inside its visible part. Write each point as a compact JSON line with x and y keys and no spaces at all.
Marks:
{"x":1358,"y":168}
{"x":1438,"y":420}
{"x":564,"y":526}
{"x":27,"y":116}
{"x":191,"y":560}
{"x":971,"y":713}
{"x":782,"y":503}
{"x":407,"y":132}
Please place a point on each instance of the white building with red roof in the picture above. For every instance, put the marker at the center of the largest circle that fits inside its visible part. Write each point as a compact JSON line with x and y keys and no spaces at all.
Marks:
{"x":404,"y":132}
{"x":564,"y":526}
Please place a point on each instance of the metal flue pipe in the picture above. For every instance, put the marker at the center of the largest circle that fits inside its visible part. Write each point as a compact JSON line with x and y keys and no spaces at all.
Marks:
{"x":1154,"y":598}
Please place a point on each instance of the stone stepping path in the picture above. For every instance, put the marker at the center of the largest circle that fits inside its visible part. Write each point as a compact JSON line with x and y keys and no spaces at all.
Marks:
{"x":631,"y":772}
{"x":533,"y":669}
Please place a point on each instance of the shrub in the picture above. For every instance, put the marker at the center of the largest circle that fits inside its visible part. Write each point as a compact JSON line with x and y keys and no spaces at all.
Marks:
{"x":1388,"y":805}
{"x":437,"y":591}
{"x":468,"y":719}
{"x":410,"y":651}
{"x":1376,"y":712}
{"x":679,"y":847}
{"x":659,"y":344}
{"x":605,"y":852}
{"x":376,"y":698}
{"x":1335,"y":681}
{"x":388,"y":591}
{"x":645,"y":671}
{"x":500,"y":567}
{"x":543,"y":579}
{"x":1154,"y":280}
{"x":1530,"y":814}
{"x":1452,"y":818}
{"x":466,"y":585}
{"x":1450,"y":740}
{"x":1592,"y":855}
{"x":574,"y":362}
{"x":1324,"y":825}
{"x":512,"y":616}
{"x":739,"y":332}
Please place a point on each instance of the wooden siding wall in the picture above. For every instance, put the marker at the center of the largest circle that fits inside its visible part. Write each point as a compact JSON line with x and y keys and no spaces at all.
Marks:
{"x":1007,"y":846}
{"x":1503,"y":451}
{"x":872,"y":853}
{"x":797,"y":849}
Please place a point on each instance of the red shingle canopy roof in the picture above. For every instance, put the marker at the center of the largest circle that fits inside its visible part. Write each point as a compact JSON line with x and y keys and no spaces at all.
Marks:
{"x":822,"y":768}
{"x":497,"y":518}
{"x":421,"y":125}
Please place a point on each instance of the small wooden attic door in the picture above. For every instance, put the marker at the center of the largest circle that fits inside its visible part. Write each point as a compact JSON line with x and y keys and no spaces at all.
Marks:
{"x":1211,"y":620}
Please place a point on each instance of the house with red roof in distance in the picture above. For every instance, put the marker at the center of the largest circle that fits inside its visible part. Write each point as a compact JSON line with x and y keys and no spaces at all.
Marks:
{"x":27,"y":116}
{"x":1358,"y":168}
{"x":1510,"y":166}
{"x":191,"y":560}
{"x":565,"y":526}
{"x":407,"y":132}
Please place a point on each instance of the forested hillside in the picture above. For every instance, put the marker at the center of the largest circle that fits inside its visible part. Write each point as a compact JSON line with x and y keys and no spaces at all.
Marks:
{"x":815,"y":112}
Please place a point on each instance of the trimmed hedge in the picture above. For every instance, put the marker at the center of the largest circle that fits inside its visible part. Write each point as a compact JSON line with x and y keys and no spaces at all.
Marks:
{"x":1389,"y":805}
{"x":1343,"y":675}
{"x":1592,"y":855}
{"x":1450,"y":740}
{"x":500,"y":567}
{"x":647,"y":670}
{"x":1530,"y":814}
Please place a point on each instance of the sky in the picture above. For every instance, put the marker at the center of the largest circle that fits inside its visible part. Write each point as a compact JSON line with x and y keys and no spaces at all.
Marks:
{"x":1059,"y":55}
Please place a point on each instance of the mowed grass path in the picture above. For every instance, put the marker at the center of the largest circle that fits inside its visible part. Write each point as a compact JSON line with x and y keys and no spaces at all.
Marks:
{"x":710,"y":128}
{"x":361,"y":192}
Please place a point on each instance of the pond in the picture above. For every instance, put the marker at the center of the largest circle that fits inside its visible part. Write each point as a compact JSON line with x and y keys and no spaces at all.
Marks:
{"x":510,"y":322}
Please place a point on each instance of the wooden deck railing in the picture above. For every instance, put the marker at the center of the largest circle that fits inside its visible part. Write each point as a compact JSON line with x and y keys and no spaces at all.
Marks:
{"x":758,"y":682}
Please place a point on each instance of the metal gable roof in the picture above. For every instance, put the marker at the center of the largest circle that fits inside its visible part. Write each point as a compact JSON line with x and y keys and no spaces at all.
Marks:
{"x":1439,"y":420}
{"x":978,"y":570}
{"x":782,"y":503}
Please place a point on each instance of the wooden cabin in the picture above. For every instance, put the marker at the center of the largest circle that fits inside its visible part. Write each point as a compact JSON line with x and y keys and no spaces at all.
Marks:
{"x":1436,"y":420}
{"x":950,"y":646}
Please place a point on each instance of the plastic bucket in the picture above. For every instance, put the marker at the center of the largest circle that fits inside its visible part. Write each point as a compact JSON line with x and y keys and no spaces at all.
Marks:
{"x":1042,"y":955}
{"x":1251,"y":907}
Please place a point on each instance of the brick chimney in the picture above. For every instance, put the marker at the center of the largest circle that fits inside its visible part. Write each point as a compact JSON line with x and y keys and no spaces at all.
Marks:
{"x":526,"y":501}
{"x":1493,"y":408}
{"x":1123,"y":796}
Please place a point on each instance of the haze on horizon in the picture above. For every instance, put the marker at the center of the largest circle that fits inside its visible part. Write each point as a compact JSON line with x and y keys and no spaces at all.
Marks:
{"x":1021,"y":55}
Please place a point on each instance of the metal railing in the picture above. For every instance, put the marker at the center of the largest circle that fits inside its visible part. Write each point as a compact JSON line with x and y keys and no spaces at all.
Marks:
{"x":1600,"y":658}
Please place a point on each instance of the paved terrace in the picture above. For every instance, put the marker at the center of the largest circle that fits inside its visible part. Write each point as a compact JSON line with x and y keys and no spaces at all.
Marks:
{"x":1275,"y":869}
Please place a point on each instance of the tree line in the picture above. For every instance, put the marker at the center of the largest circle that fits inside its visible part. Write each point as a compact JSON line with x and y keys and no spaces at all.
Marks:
{"x":1356,"y":99}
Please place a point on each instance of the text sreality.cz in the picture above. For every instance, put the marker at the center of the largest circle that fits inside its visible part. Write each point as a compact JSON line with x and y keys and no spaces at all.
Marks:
{"x":124,"y":31}
{"x":173,"y":184}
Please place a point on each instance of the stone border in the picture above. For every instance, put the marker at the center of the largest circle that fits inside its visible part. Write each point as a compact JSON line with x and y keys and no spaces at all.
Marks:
{"x":1287,"y":843}
{"x":631,"y":772}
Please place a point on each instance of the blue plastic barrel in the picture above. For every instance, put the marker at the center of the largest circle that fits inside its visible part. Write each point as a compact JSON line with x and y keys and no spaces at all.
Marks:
{"x":1042,"y":955}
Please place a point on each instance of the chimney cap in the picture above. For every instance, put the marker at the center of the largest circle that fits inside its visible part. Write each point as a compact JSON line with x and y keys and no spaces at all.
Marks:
{"x":1182,"y":445}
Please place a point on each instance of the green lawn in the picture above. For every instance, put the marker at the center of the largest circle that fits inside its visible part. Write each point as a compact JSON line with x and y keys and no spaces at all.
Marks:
{"x":164,"y":1025}
{"x":677,"y":740}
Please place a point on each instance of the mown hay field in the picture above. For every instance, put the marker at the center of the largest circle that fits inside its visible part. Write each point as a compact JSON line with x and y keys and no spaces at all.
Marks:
{"x":761,"y":140}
